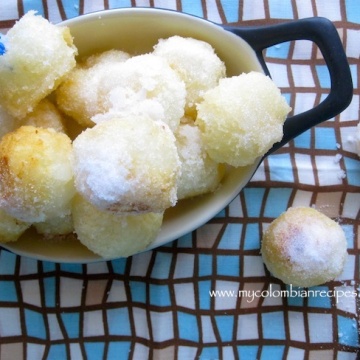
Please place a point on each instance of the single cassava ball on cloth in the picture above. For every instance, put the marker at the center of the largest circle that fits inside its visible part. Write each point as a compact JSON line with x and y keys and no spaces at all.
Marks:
{"x":242,"y":118}
{"x":196,"y":63}
{"x":111,"y":235}
{"x":36,"y":178}
{"x":199,"y":173}
{"x":143,"y":85}
{"x":304,"y":247}
{"x":127,"y":164}
{"x":10,"y":228}
{"x":78,"y":95}
{"x":37,"y":57}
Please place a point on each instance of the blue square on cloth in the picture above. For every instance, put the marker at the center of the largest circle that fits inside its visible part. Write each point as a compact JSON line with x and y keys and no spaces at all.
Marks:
{"x":159,"y":295}
{"x":7,"y":262}
{"x":325,"y":138}
{"x":185,"y":241}
{"x":72,"y":268}
{"x":281,"y":9}
{"x":231,"y":237}
{"x":323,"y":76}
{"x":94,"y":350}
{"x":188,"y":326}
{"x":118,"y":347}
{"x":352,"y":11}
{"x":193,"y":7}
{"x":349,"y":234}
{"x":204,"y":288}
{"x":119,"y":3}
{"x":34,"y":4}
{"x":303,"y":141}
{"x":50,"y":291}
{"x":138,"y":291}
{"x":253,"y":199}
{"x":318,"y":297}
{"x":71,"y":322}
{"x":118,"y":321}
{"x":248,"y":352}
{"x":57,"y":351}
{"x":231,"y":10}
{"x":225,"y":325}
{"x":8,"y":291}
{"x":31,"y":318}
{"x":294,"y":298}
{"x":71,"y":8}
{"x":352,"y":171}
{"x":277,"y":202}
{"x":252,"y":237}
{"x":348,"y":331}
{"x":48,"y":266}
{"x":272,"y":352}
{"x":119,"y":265}
{"x":281,"y":168}
{"x":211,"y":352}
{"x":205,"y":265}
{"x":228,"y":265}
{"x":273,"y":326}
{"x":161,"y":268}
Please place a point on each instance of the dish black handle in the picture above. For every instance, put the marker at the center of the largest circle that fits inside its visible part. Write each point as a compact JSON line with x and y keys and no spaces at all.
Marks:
{"x":324,"y":34}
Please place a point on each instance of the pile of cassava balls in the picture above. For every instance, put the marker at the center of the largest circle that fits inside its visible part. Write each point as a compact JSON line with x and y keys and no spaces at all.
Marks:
{"x":154,"y":129}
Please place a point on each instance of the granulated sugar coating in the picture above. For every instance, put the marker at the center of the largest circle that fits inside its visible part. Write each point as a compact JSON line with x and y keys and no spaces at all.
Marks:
{"x":147,"y":130}
{"x":304,"y":247}
{"x":45,"y":115}
{"x":196,"y":63}
{"x":128,"y":165}
{"x":37,"y":57}
{"x":142,"y":85}
{"x":110,"y":235}
{"x":61,"y":225}
{"x":242,"y":118}
{"x":199,"y":173}
{"x":36,"y":178}
{"x":78,"y":95}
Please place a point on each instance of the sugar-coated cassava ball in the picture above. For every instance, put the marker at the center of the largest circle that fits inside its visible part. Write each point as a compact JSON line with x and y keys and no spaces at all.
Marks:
{"x":78,"y":95}
{"x":143,"y":85}
{"x":108,"y":57}
{"x":199,"y":173}
{"x":45,"y":115}
{"x":304,"y":247}
{"x":242,"y":118}
{"x":11,"y":228}
{"x":37,"y":57}
{"x":127,"y":164}
{"x":110,"y":235}
{"x":60,"y":225}
{"x":36,"y":178}
{"x":196,"y":63}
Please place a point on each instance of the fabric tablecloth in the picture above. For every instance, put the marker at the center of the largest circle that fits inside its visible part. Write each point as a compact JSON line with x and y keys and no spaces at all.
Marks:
{"x":208,"y":295}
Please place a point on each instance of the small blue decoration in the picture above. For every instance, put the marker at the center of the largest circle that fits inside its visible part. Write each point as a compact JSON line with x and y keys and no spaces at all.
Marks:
{"x":2,"y":49}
